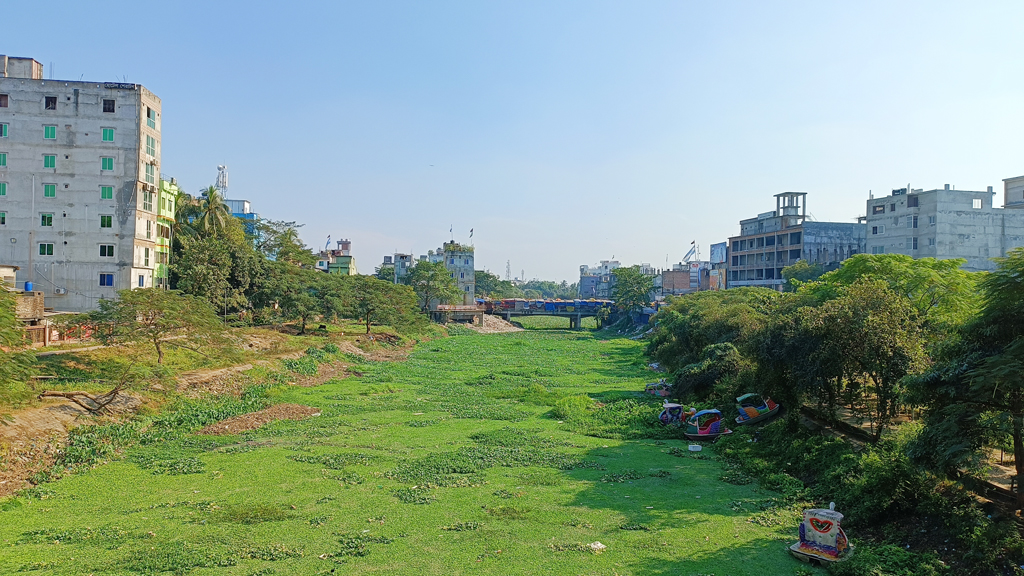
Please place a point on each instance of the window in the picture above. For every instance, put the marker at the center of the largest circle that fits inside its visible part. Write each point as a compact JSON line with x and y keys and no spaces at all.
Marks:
{"x":49,"y":161}
{"x":931,"y":241}
{"x":769,"y":241}
{"x":735,"y":246}
{"x":466,"y":262}
{"x":108,"y":134}
{"x":147,"y":201}
{"x":106,"y":192}
{"x":977,"y":203}
{"x":914,"y":244}
{"x":150,"y":174}
{"x":911,"y":221}
{"x":931,"y":220}
{"x":4,"y":101}
{"x":46,"y":219}
{"x":880,"y":209}
{"x":106,"y":221}
{"x":462,"y":275}
{"x":3,"y":188}
{"x":106,"y":250}
{"x":145,"y":258}
{"x":735,"y":260}
{"x":107,"y":279}
{"x":878,"y":249}
{"x":49,"y":132}
{"x":3,"y":160}
{"x":51,"y":103}
{"x":49,"y":190}
{"x":108,"y":107}
{"x":46,"y":249}
{"x":106,"y":163}
{"x":451,"y":260}
{"x":149,"y":229}
{"x":3,"y":218}
{"x":892,"y":207}
{"x":912,"y":201}
{"x":150,"y":145}
{"x":3,"y":130}
{"x":876,"y":230}
{"x":794,"y":238}
{"x":150,"y":117}
{"x":142,"y":281}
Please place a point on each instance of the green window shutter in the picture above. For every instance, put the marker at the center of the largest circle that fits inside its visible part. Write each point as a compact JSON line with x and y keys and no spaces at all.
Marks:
{"x":3,"y":188}
{"x":106,"y":163}
{"x":50,"y":132}
{"x":49,"y":190}
{"x":3,"y":130}
{"x":108,"y":134}
{"x":3,"y":218}
{"x":106,"y":221}
{"x":42,"y":249}
{"x":106,"y":192}
{"x":49,"y":161}
{"x":3,"y":160}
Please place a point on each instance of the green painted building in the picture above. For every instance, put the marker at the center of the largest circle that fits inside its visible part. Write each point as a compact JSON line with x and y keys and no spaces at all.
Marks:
{"x":169,"y":192}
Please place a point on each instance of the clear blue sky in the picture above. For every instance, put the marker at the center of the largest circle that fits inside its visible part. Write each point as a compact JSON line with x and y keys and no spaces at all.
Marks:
{"x":562,"y":132}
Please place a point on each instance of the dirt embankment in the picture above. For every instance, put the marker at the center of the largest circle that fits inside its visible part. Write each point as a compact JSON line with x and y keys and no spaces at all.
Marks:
{"x":254,"y":420}
{"x":494,"y":325}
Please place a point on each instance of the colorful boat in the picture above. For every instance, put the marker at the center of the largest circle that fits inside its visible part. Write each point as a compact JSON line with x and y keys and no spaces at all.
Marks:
{"x":705,"y":425}
{"x":659,"y":388}
{"x":821,"y":538}
{"x":672,"y":414}
{"x":755,"y":408}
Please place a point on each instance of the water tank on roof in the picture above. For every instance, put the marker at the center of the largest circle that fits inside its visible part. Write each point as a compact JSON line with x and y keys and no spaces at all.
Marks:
{"x":28,"y":286}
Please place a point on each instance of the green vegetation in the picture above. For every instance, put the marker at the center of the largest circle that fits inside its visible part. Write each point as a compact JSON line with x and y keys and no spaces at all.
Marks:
{"x":452,"y":461}
{"x":552,"y":322}
{"x":16,"y":365}
{"x":432,"y":281}
{"x":632,"y":289}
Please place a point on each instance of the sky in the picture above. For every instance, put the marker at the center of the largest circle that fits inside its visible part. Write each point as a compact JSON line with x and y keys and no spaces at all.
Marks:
{"x":561,"y":132}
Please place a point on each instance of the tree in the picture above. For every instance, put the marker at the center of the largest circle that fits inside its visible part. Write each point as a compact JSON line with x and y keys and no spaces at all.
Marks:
{"x":16,"y":361}
{"x":186,"y":216}
{"x":632,"y":289}
{"x":799,"y":272}
{"x":299,"y":293}
{"x":975,"y":393}
{"x":157,"y":317}
{"x":280,"y":241}
{"x":717,"y":361}
{"x":491,"y":286}
{"x":385,"y":272}
{"x":213,"y":212}
{"x":374,"y":301}
{"x":432,"y":281}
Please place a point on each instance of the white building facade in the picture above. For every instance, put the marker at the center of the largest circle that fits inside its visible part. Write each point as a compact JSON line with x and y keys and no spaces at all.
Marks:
{"x":79,"y":177}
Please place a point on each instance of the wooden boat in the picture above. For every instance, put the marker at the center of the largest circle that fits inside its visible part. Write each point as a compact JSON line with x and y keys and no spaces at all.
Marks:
{"x":753,"y":411}
{"x":705,"y":425}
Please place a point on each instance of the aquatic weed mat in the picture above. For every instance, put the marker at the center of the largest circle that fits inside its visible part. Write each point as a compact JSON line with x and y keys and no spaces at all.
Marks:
{"x":450,"y":462}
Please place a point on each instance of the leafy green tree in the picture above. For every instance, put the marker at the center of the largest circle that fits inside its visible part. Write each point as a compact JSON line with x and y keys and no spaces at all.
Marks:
{"x":385,"y":272}
{"x":297,"y":293}
{"x":632,"y":289}
{"x":186,"y":217}
{"x":799,"y":272}
{"x":374,"y":301}
{"x":432,"y":281}
{"x":213,"y":212}
{"x":278,"y":240}
{"x":157,"y":317}
{"x":491,"y":286}
{"x":16,"y":361}
{"x":717,"y":361}
{"x":974,"y":393}
{"x":547,"y":289}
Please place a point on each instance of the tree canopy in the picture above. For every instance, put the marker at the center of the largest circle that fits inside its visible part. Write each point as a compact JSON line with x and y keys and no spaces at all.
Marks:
{"x":632,"y":289}
{"x":432,"y":281}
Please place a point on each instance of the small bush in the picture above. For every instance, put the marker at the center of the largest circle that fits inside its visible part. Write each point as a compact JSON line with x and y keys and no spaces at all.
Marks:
{"x":577,"y":407}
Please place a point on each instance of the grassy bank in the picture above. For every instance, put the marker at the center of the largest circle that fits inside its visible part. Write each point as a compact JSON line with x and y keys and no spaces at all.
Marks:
{"x":491,"y":454}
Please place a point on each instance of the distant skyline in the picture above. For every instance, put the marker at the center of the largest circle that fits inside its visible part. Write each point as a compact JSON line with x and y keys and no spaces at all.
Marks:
{"x":563,"y":133}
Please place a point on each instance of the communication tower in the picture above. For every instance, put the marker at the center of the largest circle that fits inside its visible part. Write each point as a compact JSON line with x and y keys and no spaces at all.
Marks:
{"x":222,"y":180}
{"x":508,"y":271}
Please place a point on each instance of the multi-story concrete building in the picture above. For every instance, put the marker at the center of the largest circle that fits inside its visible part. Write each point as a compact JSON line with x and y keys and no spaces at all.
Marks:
{"x":458,"y":259}
{"x":338,"y":261}
{"x":169,"y":192}
{"x":79,"y":163}
{"x":597,"y":281}
{"x":773,"y":240}
{"x":946,"y":223}
{"x":1013,"y":192}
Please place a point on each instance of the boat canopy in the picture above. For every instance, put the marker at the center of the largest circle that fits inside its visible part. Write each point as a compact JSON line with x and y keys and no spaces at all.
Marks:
{"x":703,"y":412}
{"x":745,"y":396}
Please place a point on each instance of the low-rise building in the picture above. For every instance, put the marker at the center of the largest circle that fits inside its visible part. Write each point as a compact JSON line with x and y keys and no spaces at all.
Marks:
{"x":338,"y":261}
{"x":168,"y":201}
{"x":597,"y":281}
{"x":773,"y":240}
{"x":947,"y":223}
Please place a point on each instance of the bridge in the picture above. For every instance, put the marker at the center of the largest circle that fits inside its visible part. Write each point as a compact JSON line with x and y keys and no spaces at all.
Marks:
{"x":574,"y":310}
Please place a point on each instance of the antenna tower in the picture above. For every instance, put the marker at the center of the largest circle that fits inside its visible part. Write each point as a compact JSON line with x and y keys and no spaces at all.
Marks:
{"x":222,"y":180}
{"x":508,"y":271}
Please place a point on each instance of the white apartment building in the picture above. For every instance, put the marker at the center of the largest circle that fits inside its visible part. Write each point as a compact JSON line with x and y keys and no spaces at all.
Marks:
{"x":945,"y":223}
{"x":459,"y":260}
{"x":79,"y":177}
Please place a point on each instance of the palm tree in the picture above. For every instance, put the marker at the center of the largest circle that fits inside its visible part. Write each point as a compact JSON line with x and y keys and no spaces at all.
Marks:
{"x":186,"y":213}
{"x":213,"y":212}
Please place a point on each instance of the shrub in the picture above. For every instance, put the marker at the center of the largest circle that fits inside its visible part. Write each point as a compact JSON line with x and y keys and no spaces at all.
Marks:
{"x":576,"y":407}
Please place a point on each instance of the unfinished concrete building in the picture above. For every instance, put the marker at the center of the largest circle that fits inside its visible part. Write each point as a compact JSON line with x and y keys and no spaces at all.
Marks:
{"x":947,"y":223}
{"x":79,"y":163}
{"x":773,"y":240}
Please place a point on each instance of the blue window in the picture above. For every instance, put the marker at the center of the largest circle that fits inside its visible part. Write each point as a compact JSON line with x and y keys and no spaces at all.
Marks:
{"x":142,"y":281}
{"x":106,"y":279}
{"x":451,"y":261}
